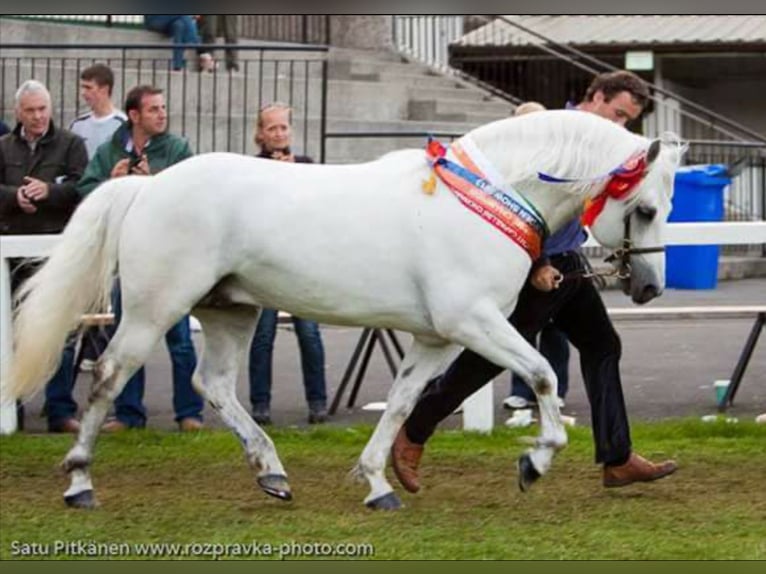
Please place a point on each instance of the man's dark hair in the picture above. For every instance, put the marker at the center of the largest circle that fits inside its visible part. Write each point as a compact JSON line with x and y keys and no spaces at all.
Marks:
{"x":99,"y":73}
{"x":612,"y":83}
{"x":134,"y":97}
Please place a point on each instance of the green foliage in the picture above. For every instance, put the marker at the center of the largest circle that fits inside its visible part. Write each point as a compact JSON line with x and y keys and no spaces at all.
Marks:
{"x":178,"y":488}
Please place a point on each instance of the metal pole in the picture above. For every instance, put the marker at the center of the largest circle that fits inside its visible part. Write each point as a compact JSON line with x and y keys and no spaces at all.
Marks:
{"x":323,"y":114}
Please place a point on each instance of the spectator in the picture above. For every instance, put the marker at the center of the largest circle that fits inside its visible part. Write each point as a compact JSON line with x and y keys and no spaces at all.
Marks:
{"x":4,"y":129}
{"x":39,"y":168}
{"x":99,"y":124}
{"x":213,"y":25}
{"x":96,"y":127}
{"x":575,"y":306}
{"x":183,"y":30}
{"x":143,"y":147}
{"x":273,"y":134}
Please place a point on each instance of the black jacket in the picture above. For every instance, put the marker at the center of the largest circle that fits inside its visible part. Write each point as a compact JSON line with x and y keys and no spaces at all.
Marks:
{"x":59,"y":160}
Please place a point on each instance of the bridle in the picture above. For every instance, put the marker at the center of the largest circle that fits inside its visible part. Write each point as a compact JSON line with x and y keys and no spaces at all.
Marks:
{"x":620,"y":258}
{"x":623,"y":254}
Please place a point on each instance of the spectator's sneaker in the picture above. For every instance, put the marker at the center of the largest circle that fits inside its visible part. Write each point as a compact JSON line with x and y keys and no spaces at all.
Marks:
{"x":262,"y":415}
{"x":206,"y":63}
{"x":560,"y":402}
{"x":317,"y":413}
{"x":517,"y":402}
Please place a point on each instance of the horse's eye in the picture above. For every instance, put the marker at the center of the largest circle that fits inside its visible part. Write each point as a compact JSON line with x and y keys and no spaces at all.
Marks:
{"x":646,"y":212}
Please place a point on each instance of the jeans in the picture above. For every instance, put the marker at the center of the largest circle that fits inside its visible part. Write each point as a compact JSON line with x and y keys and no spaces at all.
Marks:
{"x":187,"y":403}
{"x":554,"y":346}
{"x":182,"y":29}
{"x":312,"y":360}
{"x":59,"y":404}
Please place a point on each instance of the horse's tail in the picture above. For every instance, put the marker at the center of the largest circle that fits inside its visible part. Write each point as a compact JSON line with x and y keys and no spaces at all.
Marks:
{"x":76,"y":279}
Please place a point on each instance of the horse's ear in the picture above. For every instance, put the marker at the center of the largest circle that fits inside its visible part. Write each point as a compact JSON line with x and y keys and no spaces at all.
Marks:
{"x":653,"y":152}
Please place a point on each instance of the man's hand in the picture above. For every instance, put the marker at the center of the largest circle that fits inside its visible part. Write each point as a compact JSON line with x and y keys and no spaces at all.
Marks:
{"x":120,"y":169}
{"x":34,"y":189}
{"x":142,"y":167}
{"x":280,"y":155}
{"x":546,"y":278}
{"x":24,"y":203}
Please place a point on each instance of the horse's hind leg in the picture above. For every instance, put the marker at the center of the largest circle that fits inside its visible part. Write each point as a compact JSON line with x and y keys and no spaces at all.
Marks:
{"x":129,"y":349}
{"x":420,"y":364}
{"x":227,"y":332}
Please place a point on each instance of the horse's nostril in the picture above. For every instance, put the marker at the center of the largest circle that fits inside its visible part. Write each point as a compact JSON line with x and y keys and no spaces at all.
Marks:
{"x":649,"y":293}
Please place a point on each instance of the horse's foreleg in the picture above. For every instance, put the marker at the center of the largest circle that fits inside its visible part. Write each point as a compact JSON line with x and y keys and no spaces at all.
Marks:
{"x":420,"y":364}
{"x":490,"y":335}
{"x":228,"y":331}
{"x":122,"y":358}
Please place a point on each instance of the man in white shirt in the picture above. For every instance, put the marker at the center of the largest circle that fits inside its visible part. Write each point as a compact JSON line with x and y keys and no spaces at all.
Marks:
{"x":103,"y":119}
{"x":96,"y":127}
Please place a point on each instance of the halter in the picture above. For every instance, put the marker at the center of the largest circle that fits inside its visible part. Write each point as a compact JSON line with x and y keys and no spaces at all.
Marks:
{"x":623,"y":254}
{"x":622,"y":181}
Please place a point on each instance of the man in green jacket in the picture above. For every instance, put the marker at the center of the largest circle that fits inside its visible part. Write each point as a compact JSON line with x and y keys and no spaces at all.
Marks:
{"x":143,"y":147}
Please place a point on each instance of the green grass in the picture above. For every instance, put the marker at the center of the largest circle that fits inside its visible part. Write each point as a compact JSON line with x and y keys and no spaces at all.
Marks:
{"x":174,"y":488}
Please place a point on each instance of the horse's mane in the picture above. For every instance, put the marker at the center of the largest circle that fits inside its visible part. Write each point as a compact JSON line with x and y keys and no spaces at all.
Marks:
{"x":562,"y":143}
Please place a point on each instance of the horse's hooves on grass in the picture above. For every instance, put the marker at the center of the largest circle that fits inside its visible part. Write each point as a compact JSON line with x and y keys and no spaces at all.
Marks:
{"x":527,"y":472}
{"x":275,"y":485}
{"x":386,"y":502}
{"x":84,"y":499}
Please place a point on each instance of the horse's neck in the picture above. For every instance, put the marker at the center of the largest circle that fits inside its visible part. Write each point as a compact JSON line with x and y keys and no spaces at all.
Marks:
{"x":563,"y":144}
{"x":556,"y":208}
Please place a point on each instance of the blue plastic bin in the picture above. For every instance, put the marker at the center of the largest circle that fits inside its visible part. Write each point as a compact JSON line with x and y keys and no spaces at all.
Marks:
{"x":698,"y":196}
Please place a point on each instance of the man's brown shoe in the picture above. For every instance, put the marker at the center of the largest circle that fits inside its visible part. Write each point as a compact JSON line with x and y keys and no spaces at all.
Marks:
{"x":405,"y":458}
{"x":190,"y":424}
{"x":637,"y":469}
{"x":71,"y":425}
{"x":113,"y":426}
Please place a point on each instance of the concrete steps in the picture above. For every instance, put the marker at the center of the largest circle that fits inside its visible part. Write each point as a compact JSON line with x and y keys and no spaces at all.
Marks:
{"x":367,"y":91}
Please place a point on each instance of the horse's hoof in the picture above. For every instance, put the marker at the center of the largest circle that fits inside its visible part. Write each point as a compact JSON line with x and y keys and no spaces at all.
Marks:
{"x":386,"y":502}
{"x":84,"y":499}
{"x":527,"y":472}
{"x":275,"y":485}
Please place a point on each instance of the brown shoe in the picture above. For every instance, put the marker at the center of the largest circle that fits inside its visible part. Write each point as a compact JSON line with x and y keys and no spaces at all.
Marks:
{"x":70,"y":425}
{"x":190,"y":424}
{"x":405,"y":458}
{"x":113,"y":426}
{"x":637,"y":469}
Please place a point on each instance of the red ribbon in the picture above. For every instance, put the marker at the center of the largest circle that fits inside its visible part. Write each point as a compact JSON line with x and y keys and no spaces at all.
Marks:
{"x":622,"y":182}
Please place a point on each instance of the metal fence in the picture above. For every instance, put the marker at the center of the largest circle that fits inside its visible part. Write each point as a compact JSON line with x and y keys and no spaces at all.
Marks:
{"x":214,"y":111}
{"x":745,"y":198}
{"x":543,"y":70}
{"x":298,"y":28}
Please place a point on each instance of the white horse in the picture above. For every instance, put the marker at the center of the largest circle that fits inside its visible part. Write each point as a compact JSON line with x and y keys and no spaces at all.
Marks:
{"x":223,"y":235}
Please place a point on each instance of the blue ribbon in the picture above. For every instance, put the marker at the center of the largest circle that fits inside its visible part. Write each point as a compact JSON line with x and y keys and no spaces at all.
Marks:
{"x":530,"y":216}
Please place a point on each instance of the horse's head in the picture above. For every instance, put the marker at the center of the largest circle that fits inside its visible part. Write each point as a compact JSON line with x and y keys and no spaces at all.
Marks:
{"x":635,"y":226}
